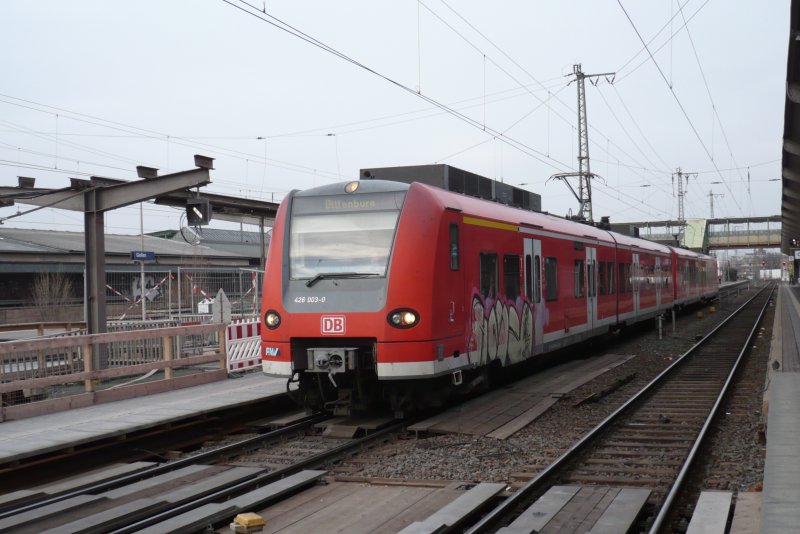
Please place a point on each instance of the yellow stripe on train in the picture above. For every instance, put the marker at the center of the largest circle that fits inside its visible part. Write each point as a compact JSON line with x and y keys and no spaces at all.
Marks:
{"x":491,"y":224}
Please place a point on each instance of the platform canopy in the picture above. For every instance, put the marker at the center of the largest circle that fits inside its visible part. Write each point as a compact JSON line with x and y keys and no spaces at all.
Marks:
{"x":790,"y":198}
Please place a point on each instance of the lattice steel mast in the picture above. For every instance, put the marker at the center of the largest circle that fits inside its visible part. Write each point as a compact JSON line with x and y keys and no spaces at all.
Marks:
{"x":682,"y":189}
{"x":584,"y":174}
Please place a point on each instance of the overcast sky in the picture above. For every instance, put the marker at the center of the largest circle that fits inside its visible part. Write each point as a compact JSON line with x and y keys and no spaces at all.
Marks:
{"x":98,"y":87}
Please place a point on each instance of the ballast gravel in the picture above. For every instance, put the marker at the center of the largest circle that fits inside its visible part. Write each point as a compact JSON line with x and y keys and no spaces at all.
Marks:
{"x":484,"y":459}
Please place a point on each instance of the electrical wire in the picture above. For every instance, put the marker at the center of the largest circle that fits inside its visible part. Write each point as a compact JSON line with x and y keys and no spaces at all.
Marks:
{"x":641,"y":132}
{"x":150,"y":134}
{"x":625,"y":130}
{"x":287,"y":28}
{"x":507,"y":56}
{"x":708,"y":91}
{"x":665,"y":43}
{"x":680,"y":105}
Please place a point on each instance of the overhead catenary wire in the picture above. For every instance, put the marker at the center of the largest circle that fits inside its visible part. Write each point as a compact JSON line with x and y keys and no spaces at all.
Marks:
{"x":542,"y":102}
{"x":263,"y":16}
{"x":665,"y":43}
{"x":639,"y":129}
{"x":680,"y":105}
{"x":708,"y":91}
{"x":479,"y":17}
{"x":151,"y":134}
{"x":625,"y":130}
{"x":664,"y":171}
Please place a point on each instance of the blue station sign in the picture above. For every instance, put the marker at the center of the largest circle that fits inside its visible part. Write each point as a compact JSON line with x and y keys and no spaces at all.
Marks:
{"x":142,"y":255}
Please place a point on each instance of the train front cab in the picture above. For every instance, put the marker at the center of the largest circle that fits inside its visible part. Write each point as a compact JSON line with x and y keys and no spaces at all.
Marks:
{"x":348,"y":321}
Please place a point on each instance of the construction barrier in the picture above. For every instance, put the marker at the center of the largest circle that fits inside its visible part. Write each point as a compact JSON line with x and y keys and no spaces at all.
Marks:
{"x":243,"y":344}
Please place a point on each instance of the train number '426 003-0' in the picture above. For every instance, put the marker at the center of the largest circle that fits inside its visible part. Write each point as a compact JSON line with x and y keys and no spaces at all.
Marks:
{"x":309,"y":300}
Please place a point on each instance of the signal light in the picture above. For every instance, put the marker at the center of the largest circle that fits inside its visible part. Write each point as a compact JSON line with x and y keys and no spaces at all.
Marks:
{"x":198,"y":211}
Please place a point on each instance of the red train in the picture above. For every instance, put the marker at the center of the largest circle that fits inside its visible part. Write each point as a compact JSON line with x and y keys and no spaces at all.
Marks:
{"x":382,"y":292}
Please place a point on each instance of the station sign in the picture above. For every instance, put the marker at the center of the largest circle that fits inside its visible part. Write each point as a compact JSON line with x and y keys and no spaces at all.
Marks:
{"x":143,"y":255}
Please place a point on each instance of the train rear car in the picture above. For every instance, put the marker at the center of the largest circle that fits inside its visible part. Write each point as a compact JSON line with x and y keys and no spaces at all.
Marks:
{"x":694,"y":277}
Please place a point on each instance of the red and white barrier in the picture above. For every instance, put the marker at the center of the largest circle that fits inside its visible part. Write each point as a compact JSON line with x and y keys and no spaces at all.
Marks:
{"x":243,"y":345}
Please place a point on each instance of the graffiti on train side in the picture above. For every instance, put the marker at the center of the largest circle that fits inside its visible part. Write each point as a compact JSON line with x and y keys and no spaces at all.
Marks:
{"x":500,"y":330}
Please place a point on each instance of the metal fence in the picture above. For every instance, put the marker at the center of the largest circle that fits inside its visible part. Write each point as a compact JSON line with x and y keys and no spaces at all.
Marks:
{"x":185,"y":294}
{"x":130,"y":296}
{"x":198,"y":287}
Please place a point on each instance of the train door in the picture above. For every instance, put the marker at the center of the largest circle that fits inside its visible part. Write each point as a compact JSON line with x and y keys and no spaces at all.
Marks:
{"x":636,"y":279}
{"x":591,"y":287}
{"x":452,"y":296}
{"x":533,"y":290}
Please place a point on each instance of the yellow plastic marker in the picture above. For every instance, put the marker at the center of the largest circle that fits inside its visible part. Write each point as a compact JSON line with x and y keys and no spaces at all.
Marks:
{"x":250,"y":519}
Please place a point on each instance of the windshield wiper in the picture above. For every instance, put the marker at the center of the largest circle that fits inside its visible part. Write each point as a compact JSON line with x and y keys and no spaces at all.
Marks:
{"x":331,"y":276}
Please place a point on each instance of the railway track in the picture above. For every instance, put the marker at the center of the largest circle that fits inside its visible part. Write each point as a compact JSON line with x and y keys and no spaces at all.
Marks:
{"x":143,"y":499}
{"x":652,"y":441}
{"x":137,"y":445}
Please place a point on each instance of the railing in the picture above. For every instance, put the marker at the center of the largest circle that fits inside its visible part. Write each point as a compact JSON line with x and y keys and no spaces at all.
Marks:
{"x":62,"y":372}
{"x":42,"y":325}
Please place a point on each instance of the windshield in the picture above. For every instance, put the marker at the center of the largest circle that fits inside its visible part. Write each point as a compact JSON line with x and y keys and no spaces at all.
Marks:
{"x":342,"y":234}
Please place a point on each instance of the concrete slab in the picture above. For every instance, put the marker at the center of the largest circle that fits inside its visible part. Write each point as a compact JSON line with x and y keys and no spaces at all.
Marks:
{"x":29,"y":437}
{"x":780,"y":510}
{"x":711,"y":513}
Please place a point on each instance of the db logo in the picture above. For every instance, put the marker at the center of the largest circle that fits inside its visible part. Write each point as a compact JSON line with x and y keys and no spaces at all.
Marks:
{"x":333,"y":324}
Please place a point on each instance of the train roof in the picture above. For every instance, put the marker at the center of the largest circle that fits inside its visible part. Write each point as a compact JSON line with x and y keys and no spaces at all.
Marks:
{"x":686,"y":253}
{"x":502,"y":212}
{"x":513,"y":215}
{"x":630,"y":241}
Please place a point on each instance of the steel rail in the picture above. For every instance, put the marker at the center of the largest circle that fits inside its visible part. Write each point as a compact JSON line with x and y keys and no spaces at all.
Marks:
{"x":675,"y":490}
{"x":259,"y":480}
{"x":538,"y":482}
{"x":121,"y":480}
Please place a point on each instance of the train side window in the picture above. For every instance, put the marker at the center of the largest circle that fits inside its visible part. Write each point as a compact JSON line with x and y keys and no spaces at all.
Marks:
{"x":528,"y":275}
{"x":578,"y":278}
{"x":601,"y":278}
{"x":454,"y":250}
{"x":511,"y":276}
{"x":628,"y":278}
{"x":629,"y":274}
{"x":488,"y":274}
{"x":550,"y":279}
{"x":537,"y":289}
{"x":621,"y":278}
{"x":611,"y":278}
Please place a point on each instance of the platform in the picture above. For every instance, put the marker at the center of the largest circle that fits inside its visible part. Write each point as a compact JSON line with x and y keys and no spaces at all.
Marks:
{"x":780,"y":510}
{"x":25,"y":438}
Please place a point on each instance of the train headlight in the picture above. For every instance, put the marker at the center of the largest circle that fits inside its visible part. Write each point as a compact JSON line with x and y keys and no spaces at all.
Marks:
{"x":272,"y":319}
{"x":403,"y":318}
{"x":351,"y":187}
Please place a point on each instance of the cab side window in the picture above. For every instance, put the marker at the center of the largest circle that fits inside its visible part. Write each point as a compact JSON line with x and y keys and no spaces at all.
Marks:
{"x":455,"y":253}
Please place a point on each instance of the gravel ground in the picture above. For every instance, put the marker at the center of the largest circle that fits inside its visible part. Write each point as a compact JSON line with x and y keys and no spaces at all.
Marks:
{"x":468,"y":458}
